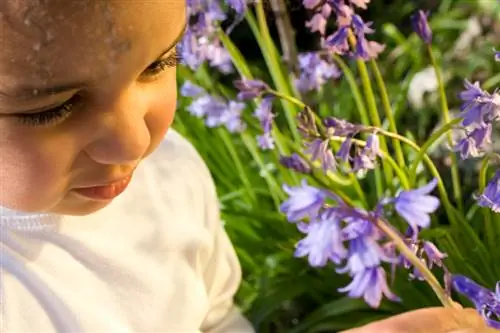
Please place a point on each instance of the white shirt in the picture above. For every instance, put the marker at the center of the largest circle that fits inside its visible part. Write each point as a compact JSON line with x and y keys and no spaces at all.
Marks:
{"x":157,"y":259}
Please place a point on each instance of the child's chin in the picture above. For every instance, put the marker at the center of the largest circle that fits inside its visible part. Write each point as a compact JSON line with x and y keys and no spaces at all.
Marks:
{"x":78,"y":206}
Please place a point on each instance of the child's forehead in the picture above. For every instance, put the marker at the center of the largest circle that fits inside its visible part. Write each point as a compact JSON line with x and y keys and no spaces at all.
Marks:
{"x":83,"y":37}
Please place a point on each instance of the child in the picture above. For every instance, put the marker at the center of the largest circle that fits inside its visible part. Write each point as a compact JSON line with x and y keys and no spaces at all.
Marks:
{"x":87,"y":96}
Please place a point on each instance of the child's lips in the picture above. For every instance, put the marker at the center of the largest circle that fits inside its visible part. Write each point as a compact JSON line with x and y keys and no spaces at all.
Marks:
{"x":108,"y":191}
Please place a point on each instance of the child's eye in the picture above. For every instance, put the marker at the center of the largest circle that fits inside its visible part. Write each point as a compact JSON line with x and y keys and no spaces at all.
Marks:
{"x":163,"y":64}
{"x":48,"y":117}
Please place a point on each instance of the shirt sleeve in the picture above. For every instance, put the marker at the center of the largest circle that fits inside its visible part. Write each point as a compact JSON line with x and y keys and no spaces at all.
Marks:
{"x":222,"y":275}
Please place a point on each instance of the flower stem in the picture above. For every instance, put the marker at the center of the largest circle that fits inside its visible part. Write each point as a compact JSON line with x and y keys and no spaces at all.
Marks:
{"x":261,"y":32}
{"x":388,"y":111}
{"x":372,"y":109}
{"x":446,"y":117}
{"x":489,"y":230}
{"x":423,"y":149}
{"x":416,"y":262}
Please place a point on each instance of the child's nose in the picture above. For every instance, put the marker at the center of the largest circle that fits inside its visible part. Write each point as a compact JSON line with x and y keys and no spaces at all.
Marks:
{"x":122,"y":135}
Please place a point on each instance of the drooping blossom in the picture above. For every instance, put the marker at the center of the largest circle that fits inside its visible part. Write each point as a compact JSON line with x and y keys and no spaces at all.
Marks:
{"x":415,"y":205}
{"x":487,"y":302}
{"x":296,"y":163}
{"x":264,"y":114}
{"x":320,"y":150}
{"x":304,"y":201}
{"x":314,"y":72}
{"x":250,"y":89}
{"x":491,"y":196}
{"x":324,"y":241}
{"x":421,"y":26}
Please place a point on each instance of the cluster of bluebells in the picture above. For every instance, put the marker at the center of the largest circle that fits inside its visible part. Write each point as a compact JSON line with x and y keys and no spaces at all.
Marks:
{"x":214,"y":110}
{"x":315,"y":72}
{"x":479,"y":112}
{"x":347,"y":21}
{"x":349,"y":237}
{"x":200,"y":43}
{"x":358,"y":160}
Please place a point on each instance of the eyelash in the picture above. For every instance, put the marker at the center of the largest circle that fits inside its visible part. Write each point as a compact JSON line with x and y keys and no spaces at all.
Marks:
{"x":61,"y":113}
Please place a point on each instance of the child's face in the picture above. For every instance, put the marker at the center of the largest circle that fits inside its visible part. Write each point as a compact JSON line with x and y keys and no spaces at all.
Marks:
{"x":115,"y":113}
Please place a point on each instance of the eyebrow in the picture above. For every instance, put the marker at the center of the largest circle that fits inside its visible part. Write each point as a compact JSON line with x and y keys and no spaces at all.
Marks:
{"x":28,"y":92}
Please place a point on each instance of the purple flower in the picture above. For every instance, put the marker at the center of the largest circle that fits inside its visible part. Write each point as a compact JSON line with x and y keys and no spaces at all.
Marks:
{"x":421,"y":26}
{"x":319,"y":149}
{"x":317,"y":23}
{"x":265,"y":141}
{"x":371,"y":284}
{"x":189,"y":89}
{"x":314,"y":72}
{"x":344,"y":152}
{"x":341,"y":127}
{"x":323,"y":242}
{"x":232,"y":118}
{"x":304,"y":201}
{"x":491,"y":195}
{"x":467,"y":148}
{"x":366,"y":157}
{"x":263,"y":112}
{"x":415,"y":205}
{"x":338,"y":40}
{"x":487,"y":302}
{"x":479,"y":106}
{"x":497,"y":55}
{"x":250,"y":89}
{"x":295,"y":162}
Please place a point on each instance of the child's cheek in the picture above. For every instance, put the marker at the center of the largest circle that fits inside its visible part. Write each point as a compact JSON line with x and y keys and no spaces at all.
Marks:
{"x":161,"y":114}
{"x":33,"y":174}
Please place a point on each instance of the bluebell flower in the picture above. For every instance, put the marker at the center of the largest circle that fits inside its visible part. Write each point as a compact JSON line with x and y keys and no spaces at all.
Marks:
{"x":497,"y":55}
{"x":320,"y":150}
{"x":344,"y":152}
{"x":479,"y":106}
{"x":265,"y":141}
{"x":314,"y":72}
{"x":467,"y":148}
{"x":491,"y":196}
{"x":415,"y":205}
{"x":341,"y":127}
{"x":232,"y":118}
{"x":337,"y":42}
{"x":250,"y":89}
{"x":304,"y":201}
{"x":371,"y":284}
{"x":189,"y":89}
{"x":487,"y":302}
{"x":421,"y":26}
{"x":317,"y":23}
{"x":323,"y":242}
{"x":296,"y":163}
{"x":366,"y":158}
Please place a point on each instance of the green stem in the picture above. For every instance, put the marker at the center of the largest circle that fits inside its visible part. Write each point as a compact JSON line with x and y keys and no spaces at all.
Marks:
{"x":417,"y":263}
{"x":446,"y":117}
{"x":388,"y":111}
{"x":356,"y":92}
{"x":423,"y":149}
{"x":488,"y":224}
{"x":261,"y":32}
